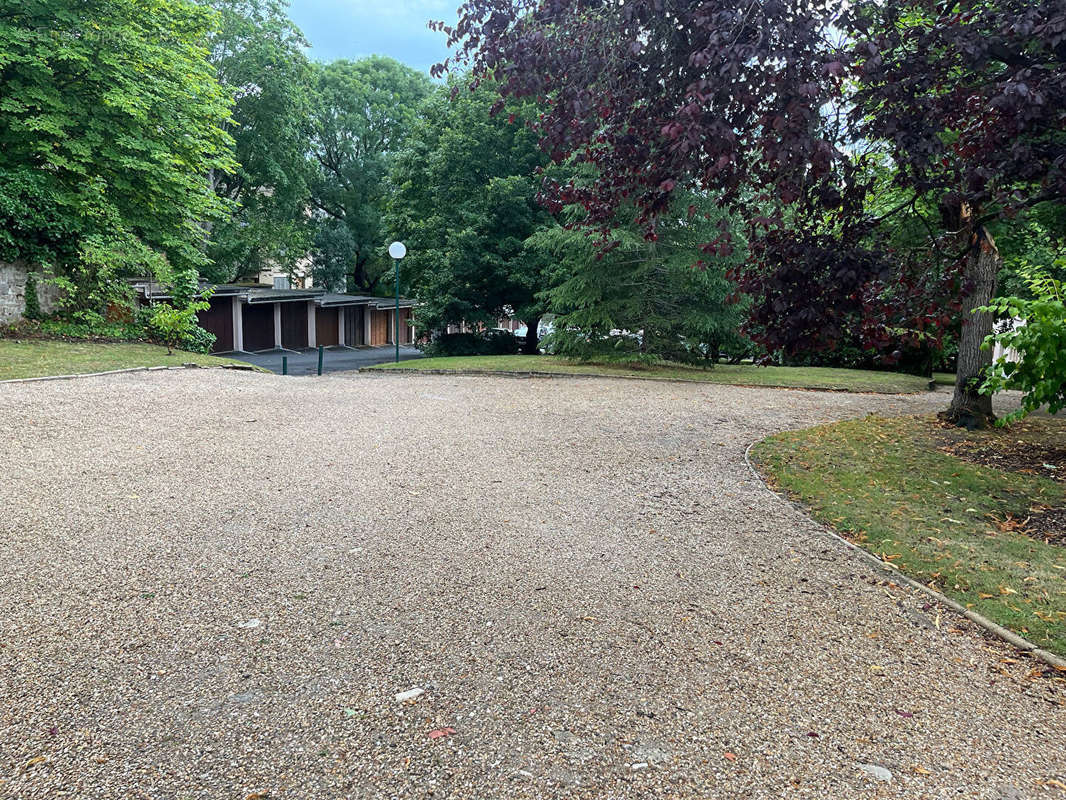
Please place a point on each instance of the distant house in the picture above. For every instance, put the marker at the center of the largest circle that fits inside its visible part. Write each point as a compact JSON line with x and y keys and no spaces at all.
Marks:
{"x":257,"y":318}
{"x":999,"y":351}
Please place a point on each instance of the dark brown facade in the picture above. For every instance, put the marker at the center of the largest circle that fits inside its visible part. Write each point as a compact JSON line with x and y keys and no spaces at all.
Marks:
{"x":218,"y":319}
{"x":354,"y":326}
{"x":327,"y":326}
{"x":258,"y":326}
{"x":294,"y":325}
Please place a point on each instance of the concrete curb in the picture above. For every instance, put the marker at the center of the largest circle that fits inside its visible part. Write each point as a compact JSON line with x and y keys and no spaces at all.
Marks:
{"x":474,"y":373}
{"x":248,"y":368}
{"x":1011,"y":638}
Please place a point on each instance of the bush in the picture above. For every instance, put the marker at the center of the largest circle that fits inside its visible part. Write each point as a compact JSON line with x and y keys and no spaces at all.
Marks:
{"x":197,"y":340}
{"x":177,"y":326}
{"x":1040,"y":344}
{"x":99,"y":330}
{"x":33,"y":303}
{"x":493,"y":343}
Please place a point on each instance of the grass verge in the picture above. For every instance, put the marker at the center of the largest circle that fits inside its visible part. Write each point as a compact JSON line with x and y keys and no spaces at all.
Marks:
{"x":38,"y":358}
{"x":742,"y":374}
{"x":951,"y":524}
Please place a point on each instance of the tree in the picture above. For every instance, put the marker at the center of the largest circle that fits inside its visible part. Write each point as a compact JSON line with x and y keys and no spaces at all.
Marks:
{"x":643,"y":299}
{"x":362,"y":112}
{"x":779,"y":105}
{"x":333,"y":253}
{"x":259,"y":58}
{"x":111,"y":119}
{"x":464,"y":201}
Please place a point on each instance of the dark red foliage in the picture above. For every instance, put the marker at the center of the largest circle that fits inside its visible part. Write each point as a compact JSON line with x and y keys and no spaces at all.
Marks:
{"x":775,"y":106}
{"x":971,"y":104}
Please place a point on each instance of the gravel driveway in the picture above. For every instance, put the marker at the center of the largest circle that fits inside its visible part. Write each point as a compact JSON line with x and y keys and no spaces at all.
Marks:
{"x":214,"y":585}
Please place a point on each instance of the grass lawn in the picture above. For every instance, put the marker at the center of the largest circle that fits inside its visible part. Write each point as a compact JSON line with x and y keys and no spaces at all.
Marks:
{"x":743,"y":374}
{"x":34,"y":358}
{"x":891,"y":486}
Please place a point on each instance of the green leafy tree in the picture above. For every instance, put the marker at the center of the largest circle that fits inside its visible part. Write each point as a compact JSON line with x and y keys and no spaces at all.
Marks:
{"x":1040,"y":344}
{"x":465,"y":203}
{"x":362,"y":112}
{"x":645,"y":299}
{"x":259,"y":57}
{"x":333,"y":252}
{"x":111,"y":121}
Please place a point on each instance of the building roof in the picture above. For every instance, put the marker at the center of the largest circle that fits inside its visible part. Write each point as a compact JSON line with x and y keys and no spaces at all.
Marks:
{"x":389,"y":302}
{"x":153,"y":290}
{"x":336,"y":299}
{"x":257,"y":295}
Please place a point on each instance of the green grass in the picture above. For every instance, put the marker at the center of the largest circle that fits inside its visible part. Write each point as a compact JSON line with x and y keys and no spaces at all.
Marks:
{"x":884,"y":484}
{"x":742,"y":374}
{"x":35,"y":358}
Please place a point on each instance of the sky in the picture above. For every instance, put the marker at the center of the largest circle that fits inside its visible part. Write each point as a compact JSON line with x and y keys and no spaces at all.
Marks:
{"x":356,"y":28}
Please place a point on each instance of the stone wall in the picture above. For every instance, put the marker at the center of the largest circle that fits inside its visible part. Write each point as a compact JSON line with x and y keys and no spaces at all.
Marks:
{"x":13,"y":293}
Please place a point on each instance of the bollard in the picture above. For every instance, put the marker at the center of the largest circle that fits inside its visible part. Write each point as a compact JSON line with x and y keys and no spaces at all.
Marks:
{"x":284,"y":365}
{"x":320,"y":349}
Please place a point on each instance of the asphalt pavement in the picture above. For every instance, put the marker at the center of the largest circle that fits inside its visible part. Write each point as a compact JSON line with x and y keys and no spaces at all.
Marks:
{"x":334,"y":359}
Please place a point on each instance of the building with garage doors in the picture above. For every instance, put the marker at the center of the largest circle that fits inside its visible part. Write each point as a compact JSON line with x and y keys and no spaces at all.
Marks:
{"x":255,"y":319}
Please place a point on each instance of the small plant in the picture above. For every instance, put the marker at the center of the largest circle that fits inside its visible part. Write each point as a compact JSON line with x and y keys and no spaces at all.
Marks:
{"x":33,"y":303}
{"x":1039,"y":342}
{"x":176,"y":322}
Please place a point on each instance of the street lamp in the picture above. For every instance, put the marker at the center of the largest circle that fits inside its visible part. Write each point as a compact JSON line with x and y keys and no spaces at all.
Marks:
{"x":397,"y":251}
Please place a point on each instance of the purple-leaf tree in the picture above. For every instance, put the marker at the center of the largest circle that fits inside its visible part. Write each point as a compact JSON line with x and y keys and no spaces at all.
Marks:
{"x":786,"y":110}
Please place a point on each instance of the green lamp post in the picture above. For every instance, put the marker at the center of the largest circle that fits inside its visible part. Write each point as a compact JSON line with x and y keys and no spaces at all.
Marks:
{"x":397,"y":250}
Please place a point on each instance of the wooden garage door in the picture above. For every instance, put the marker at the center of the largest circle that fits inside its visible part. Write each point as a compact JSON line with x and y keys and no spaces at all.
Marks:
{"x":258,"y":326}
{"x":326,"y":326}
{"x":218,"y":319}
{"x":379,"y":327}
{"x":294,"y":325}
{"x":407,"y":333}
{"x":354,"y":319}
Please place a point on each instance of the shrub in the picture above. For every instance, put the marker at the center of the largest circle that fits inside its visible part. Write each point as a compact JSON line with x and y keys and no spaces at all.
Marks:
{"x":177,"y":326}
{"x":493,"y":343}
{"x":33,"y":303}
{"x":197,"y":340}
{"x":1040,"y":373}
{"x":94,"y":329}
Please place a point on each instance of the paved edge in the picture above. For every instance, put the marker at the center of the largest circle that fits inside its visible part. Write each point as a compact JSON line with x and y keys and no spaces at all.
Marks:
{"x":1011,"y":638}
{"x":476,"y":373}
{"x":243,"y":368}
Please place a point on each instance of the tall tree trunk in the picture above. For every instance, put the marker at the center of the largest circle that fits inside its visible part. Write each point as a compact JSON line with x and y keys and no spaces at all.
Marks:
{"x":531,"y":346}
{"x":359,"y":278}
{"x":969,"y":408}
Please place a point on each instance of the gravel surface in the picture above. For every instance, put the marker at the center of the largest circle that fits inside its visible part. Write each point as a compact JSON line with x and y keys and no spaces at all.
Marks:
{"x":227,"y":585}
